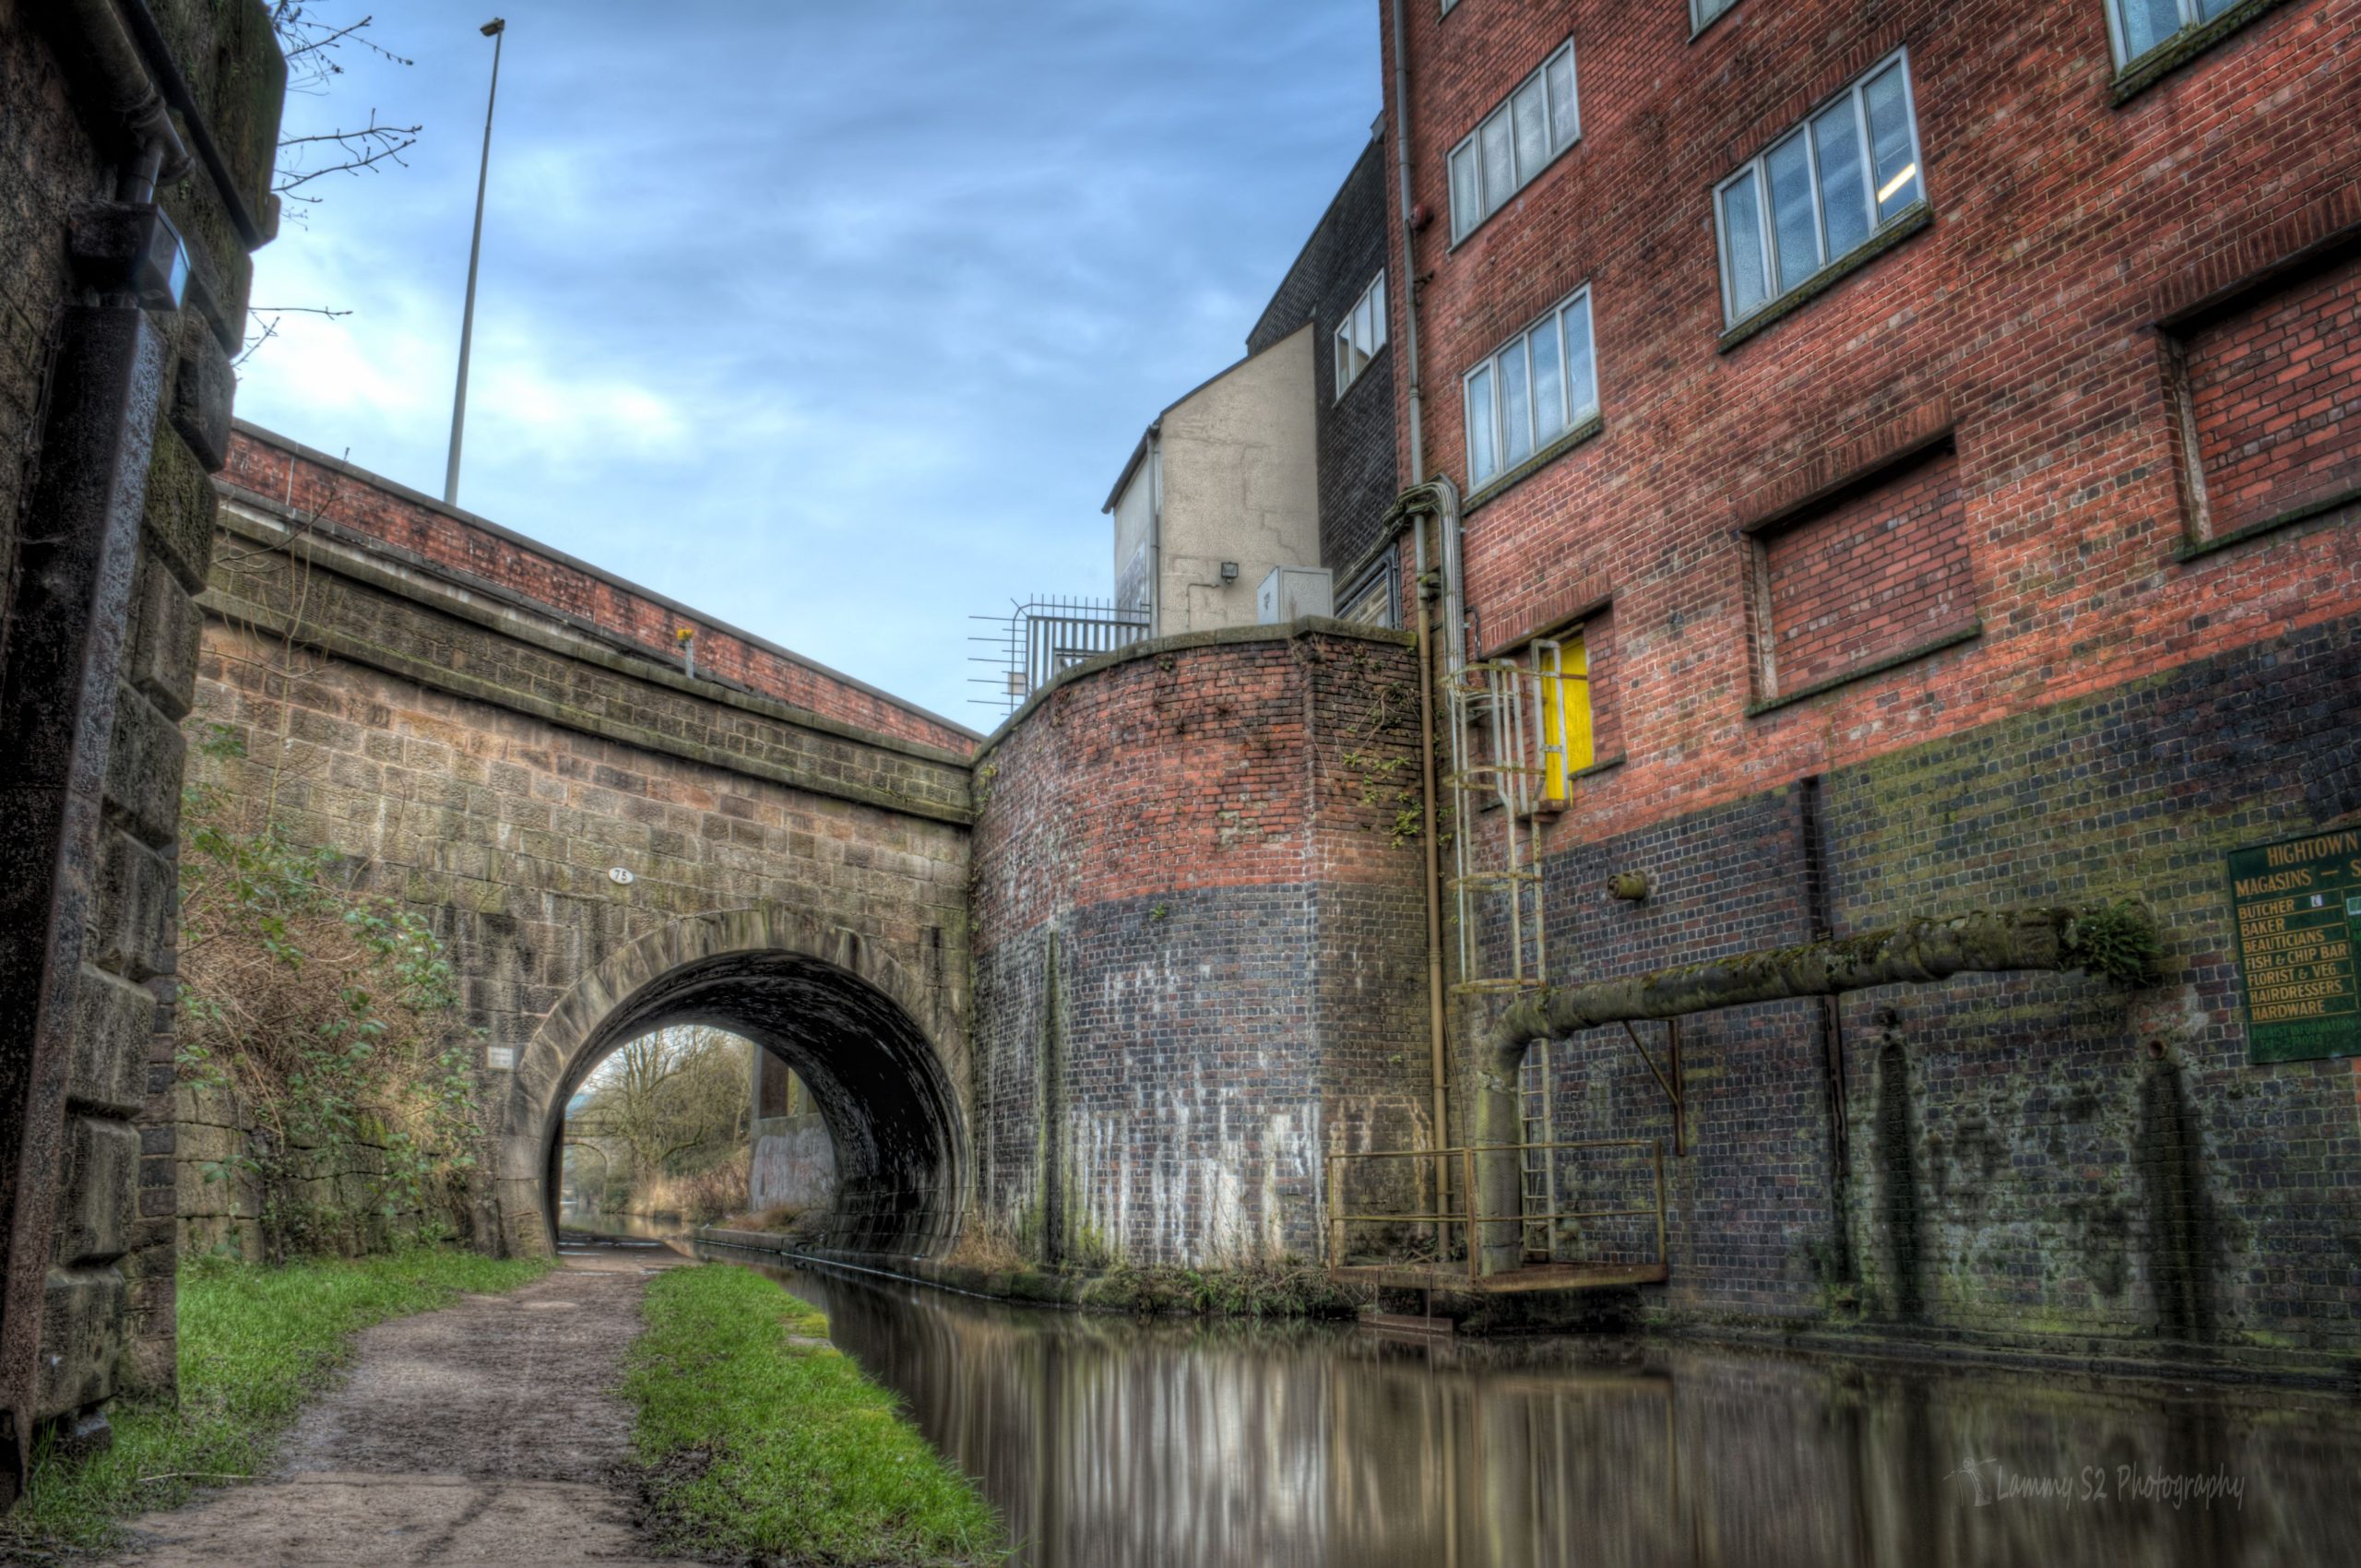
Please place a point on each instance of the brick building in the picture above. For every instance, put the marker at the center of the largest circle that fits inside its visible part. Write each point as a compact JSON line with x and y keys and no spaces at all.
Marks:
{"x":1929,"y":433}
{"x":1337,"y":285}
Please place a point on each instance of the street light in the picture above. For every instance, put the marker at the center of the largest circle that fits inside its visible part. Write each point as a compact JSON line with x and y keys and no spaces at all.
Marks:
{"x":496,"y":30}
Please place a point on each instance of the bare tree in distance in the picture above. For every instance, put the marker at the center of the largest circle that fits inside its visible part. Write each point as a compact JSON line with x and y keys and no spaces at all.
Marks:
{"x":313,"y":35}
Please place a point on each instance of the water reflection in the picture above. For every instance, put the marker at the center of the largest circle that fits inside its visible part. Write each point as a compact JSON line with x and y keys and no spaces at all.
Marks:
{"x":1109,"y":1443}
{"x":618,"y":1224}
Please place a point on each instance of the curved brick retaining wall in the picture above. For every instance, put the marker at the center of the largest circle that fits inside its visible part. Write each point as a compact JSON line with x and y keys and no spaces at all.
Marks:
{"x":1199,"y":942}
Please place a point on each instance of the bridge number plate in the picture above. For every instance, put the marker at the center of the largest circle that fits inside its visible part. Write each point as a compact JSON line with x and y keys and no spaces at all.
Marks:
{"x":2298,"y":908}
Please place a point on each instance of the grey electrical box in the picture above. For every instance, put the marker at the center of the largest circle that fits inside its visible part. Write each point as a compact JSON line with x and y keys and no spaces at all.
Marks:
{"x":1291,"y":592}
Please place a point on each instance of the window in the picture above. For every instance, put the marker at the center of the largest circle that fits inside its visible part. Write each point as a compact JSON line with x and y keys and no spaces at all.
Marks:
{"x":2139,"y":26}
{"x":1531,"y":392}
{"x":1701,"y":12}
{"x":1362,"y":334}
{"x":1821,"y":192}
{"x":1371,"y":601}
{"x":1514,"y":143}
{"x":1563,"y":694}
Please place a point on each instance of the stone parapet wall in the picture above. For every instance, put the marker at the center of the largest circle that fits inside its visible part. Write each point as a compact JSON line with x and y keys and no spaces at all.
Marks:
{"x":273,"y":470}
{"x":1199,"y":943}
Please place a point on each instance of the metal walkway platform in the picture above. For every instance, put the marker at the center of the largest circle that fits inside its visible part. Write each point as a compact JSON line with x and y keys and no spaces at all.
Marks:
{"x":1538,"y":1277}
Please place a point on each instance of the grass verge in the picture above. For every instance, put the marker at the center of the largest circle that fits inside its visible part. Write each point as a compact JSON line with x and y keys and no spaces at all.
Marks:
{"x":253,"y":1342}
{"x":758,"y":1443}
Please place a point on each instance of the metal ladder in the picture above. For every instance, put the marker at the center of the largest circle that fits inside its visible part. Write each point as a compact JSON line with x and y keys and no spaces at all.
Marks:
{"x":1498,"y":766}
{"x":1538,"y":1165}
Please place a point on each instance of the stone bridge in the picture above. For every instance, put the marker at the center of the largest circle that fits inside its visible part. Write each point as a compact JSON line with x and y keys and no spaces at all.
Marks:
{"x":508,"y":738}
{"x":1175,"y":881}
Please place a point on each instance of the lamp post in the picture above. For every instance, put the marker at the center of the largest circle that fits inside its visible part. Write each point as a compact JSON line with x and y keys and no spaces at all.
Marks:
{"x":496,"y":30}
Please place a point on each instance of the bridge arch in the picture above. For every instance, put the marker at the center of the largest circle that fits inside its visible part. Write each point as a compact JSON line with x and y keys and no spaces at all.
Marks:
{"x":838,"y":1011}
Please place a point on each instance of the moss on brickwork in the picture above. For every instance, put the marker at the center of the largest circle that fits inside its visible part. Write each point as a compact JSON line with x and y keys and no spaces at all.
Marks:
{"x":2063,"y":1154}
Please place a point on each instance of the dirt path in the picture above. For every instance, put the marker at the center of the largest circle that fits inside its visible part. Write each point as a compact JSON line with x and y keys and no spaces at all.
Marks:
{"x":486,"y":1433}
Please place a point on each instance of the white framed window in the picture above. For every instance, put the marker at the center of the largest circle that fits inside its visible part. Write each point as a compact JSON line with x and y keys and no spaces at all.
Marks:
{"x":1826,"y":188}
{"x":1516,"y":142}
{"x":1362,"y":334}
{"x":1703,"y":11}
{"x":2139,"y":27}
{"x":1535,"y":390}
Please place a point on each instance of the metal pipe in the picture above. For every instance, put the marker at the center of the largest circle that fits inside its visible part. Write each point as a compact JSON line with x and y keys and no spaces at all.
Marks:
{"x":175,"y":89}
{"x":1409,"y":290}
{"x":498,"y":29}
{"x":1437,"y":1033}
{"x":92,"y":34}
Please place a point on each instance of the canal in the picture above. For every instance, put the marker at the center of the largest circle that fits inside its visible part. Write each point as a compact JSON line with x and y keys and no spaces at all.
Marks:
{"x":1118,"y":1443}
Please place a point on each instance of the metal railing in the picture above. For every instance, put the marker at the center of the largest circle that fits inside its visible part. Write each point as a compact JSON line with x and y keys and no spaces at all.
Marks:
{"x":1468,"y":1219}
{"x":1040,"y":638}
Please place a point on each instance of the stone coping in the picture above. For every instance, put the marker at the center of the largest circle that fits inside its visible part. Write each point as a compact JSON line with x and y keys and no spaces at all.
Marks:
{"x":364,"y":565}
{"x":1188,"y":642}
{"x":272,"y":439}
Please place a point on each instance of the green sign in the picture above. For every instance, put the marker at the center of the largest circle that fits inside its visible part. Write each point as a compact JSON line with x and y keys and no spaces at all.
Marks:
{"x":2298,"y":908}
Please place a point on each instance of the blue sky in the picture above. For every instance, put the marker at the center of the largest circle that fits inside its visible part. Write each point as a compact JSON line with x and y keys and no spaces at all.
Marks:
{"x":835,"y":321}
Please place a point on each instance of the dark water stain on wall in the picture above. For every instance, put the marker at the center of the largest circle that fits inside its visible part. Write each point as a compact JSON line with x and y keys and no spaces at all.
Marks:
{"x":2165,"y":1152}
{"x":1898,"y":1209}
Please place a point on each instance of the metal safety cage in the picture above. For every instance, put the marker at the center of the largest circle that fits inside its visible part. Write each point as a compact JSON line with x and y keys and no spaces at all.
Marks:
{"x":1501,"y":766}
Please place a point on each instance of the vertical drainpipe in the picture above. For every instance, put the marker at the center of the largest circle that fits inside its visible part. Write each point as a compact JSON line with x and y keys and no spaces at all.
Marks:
{"x":1409,"y":290}
{"x":1438,"y":1029}
{"x":1155,"y":529}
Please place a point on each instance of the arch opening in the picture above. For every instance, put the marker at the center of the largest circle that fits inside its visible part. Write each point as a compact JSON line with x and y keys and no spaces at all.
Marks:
{"x":875,"y":1079}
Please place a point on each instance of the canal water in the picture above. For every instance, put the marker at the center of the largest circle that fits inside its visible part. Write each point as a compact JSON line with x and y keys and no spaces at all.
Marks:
{"x":1118,"y":1443}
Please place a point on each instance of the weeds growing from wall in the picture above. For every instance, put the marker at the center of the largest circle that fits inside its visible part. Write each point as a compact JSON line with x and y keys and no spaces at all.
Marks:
{"x":330,"y":1018}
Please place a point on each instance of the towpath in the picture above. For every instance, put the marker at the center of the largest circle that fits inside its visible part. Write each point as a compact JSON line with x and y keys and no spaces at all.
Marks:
{"x":489,"y":1432}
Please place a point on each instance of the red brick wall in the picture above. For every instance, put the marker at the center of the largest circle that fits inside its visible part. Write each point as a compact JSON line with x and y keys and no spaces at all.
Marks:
{"x":1199,"y":937}
{"x":1871,"y":575}
{"x":1235,"y":764}
{"x":2274,"y":389}
{"x":2022,"y":320}
{"x":365,"y":505}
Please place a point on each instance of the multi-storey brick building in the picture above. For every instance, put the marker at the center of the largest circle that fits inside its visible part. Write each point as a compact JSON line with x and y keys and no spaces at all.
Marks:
{"x":1932,"y":431}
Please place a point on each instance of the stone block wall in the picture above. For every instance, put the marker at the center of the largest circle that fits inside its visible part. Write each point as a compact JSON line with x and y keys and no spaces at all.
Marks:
{"x":113,"y":414}
{"x":342,"y":1199}
{"x":794,"y":1163}
{"x":1200,"y":933}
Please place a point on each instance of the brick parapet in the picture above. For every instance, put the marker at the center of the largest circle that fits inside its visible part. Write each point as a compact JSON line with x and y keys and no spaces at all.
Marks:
{"x":294,"y":479}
